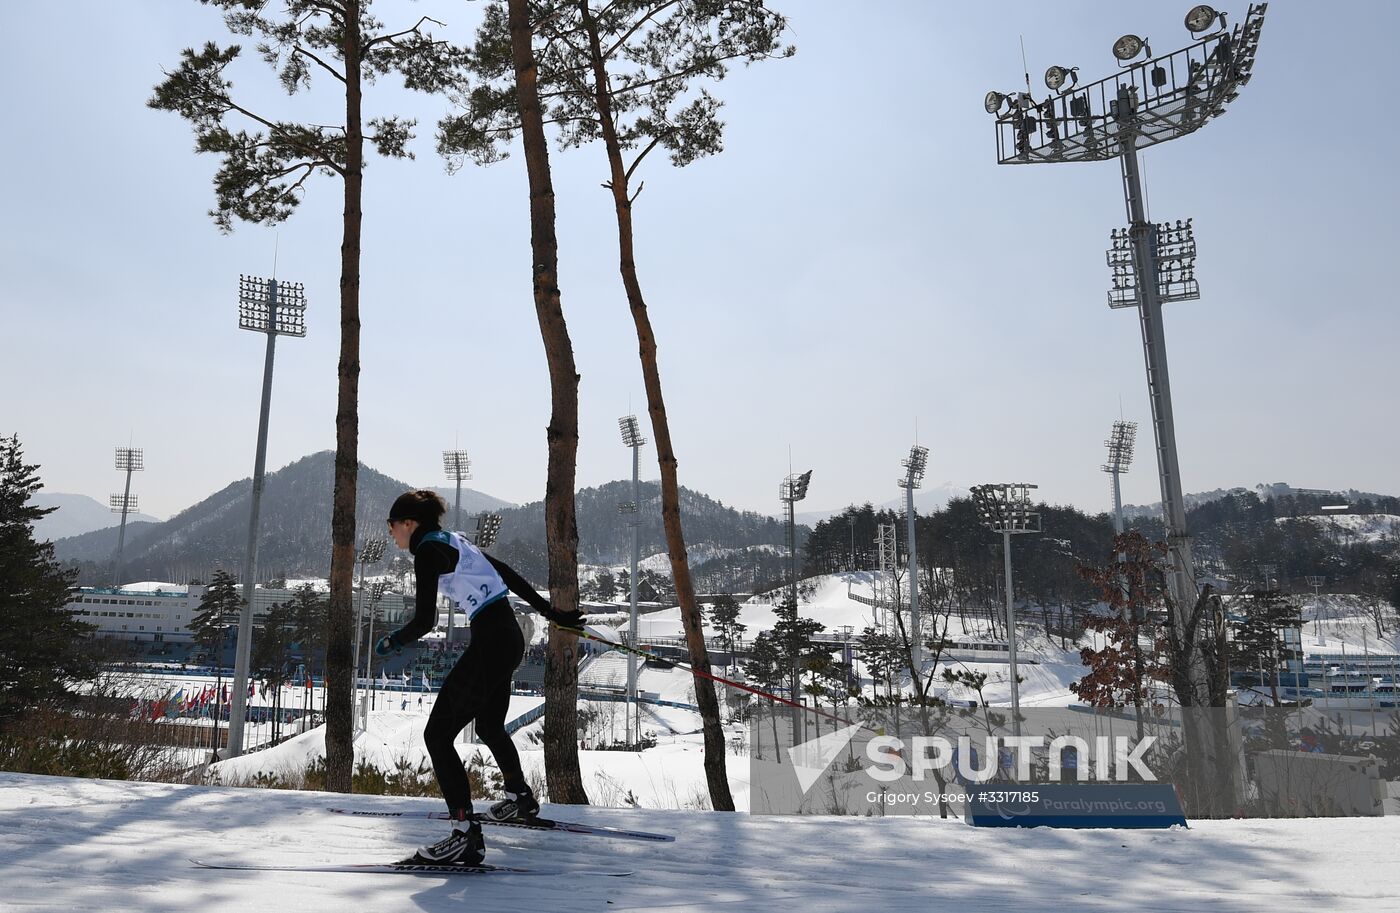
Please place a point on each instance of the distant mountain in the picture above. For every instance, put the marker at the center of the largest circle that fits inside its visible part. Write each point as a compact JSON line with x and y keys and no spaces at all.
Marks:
{"x":296,"y":515}
{"x":296,"y":528}
{"x":77,"y":514}
{"x":473,"y":503}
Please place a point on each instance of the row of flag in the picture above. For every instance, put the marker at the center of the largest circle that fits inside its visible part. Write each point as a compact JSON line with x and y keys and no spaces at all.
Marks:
{"x":198,"y":702}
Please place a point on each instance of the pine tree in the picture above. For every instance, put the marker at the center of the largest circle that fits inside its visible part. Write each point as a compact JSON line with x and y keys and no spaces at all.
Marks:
{"x":724,"y":615}
{"x":219,"y":609}
{"x":607,"y":587}
{"x":309,"y":624}
{"x":262,"y":179}
{"x":626,"y":73}
{"x":43,"y":648}
{"x":1257,"y":645}
{"x":765,"y":669}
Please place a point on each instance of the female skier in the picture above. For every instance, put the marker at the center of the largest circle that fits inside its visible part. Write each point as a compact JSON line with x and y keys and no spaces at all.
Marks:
{"x":478,"y":687}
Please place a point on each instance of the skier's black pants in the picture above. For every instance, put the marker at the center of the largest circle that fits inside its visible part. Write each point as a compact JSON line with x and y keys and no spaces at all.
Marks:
{"x":477,"y":688}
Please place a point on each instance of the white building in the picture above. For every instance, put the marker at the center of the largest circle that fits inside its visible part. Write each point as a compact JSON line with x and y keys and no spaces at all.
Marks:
{"x":162,"y":612}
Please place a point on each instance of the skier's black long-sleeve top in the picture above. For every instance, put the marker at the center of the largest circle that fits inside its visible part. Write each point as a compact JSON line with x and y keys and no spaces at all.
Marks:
{"x":432,"y":560}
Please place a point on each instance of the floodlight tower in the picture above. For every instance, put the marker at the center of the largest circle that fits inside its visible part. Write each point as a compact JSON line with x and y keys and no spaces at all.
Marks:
{"x":376,"y":593}
{"x":632,"y":437}
{"x":1120,"y":457}
{"x":1006,"y":508}
{"x":274,"y":309}
{"x":129,"y":460}
{"x":458,"y":467}
{"x":914,"y":466}
{"x":883,"y":589}
{"x":1147,"y":102}
{"x":791,"y":490}
{"x":371,"y":551}
{"x":488,"y":530}
{"x":1316,"y":582}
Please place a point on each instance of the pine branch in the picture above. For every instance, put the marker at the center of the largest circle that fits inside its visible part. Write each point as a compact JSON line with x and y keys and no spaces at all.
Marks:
{"x":389,"y":39}
{"x":621,"y":42}
{"x":325,"y":66}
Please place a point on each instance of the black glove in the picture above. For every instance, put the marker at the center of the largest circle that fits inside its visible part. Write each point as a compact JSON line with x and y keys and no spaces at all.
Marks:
{"x":572,"y":619}
{"x":387,"y":644}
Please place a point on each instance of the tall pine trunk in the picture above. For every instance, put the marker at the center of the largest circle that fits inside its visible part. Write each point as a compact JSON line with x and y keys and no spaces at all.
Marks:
{"x":340,"y":747}
{"x":562,"y":773}
{"x":705,"y":697}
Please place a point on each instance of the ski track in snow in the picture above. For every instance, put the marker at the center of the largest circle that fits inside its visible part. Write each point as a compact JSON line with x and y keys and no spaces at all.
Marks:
{"x":95,"y":845}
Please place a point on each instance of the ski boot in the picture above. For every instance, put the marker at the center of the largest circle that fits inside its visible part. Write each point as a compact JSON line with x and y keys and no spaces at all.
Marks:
{"x":464,"y":846}
{"x":516,"y":806}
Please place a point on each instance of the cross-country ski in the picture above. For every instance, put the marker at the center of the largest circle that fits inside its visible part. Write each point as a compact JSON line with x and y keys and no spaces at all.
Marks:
{"x":402,"y":868}
{"x":533,"y":824}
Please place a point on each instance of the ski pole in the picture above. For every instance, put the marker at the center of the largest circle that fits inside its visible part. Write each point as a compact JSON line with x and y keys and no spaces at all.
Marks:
{"x":589,"y":635}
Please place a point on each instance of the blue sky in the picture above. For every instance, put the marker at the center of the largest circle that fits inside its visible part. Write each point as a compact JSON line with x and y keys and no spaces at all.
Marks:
{"x":854,"y":266}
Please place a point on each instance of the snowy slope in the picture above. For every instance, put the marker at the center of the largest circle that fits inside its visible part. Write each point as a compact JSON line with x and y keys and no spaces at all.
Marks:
{"x":97,"y":846}
{"x":1371,"y":528}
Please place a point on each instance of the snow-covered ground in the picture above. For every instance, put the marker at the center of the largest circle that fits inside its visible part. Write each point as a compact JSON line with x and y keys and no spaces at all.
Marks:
{"x":86,"y":845}
{"x":97,"y":846}
{"x":1353,"y":527}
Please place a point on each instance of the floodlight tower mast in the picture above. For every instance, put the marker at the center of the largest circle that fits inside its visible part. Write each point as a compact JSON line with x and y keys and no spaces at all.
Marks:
{"x":632,"y":437}
{"x":792,"y":489}
{"x":1120,"y":457}
{"x":1006,"y":509}
{"x":1316,"y":581}
{"x":129,"y":460}
{"x":1147,"y":102}
{"x":371,"y":551}
{"x":458,"y":468}
{"x":883,"y":590}
{"x":274,"y":309}
{"x":914,"y":466}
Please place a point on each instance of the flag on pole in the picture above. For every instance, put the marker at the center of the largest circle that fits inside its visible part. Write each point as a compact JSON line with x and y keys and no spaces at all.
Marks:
{"x":426,"y":686}
{"x":405,"y":676}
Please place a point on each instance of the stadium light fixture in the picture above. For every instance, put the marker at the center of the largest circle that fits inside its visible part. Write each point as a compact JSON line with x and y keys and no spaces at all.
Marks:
{"x":1056,"y":76}
{"x":1201,"y":17}
{"x":274,"y":309}
{"x":1006,"y":508}
{"x":632,"y":438}
{"x":1145,"y":103}
{"x":1120,"y":445}
{"x":128,"y":460}
{"x":1130,"y":46}
{"x":488,"y":530}
{"x":370,"y":552}
{"x":914,"y":465}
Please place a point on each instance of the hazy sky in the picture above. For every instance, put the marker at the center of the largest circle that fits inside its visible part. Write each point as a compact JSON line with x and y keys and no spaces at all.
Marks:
{"x":853,"y":266}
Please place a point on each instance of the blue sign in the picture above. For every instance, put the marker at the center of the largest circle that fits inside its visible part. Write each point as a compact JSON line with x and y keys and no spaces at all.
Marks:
{"x":1134,"y":805}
